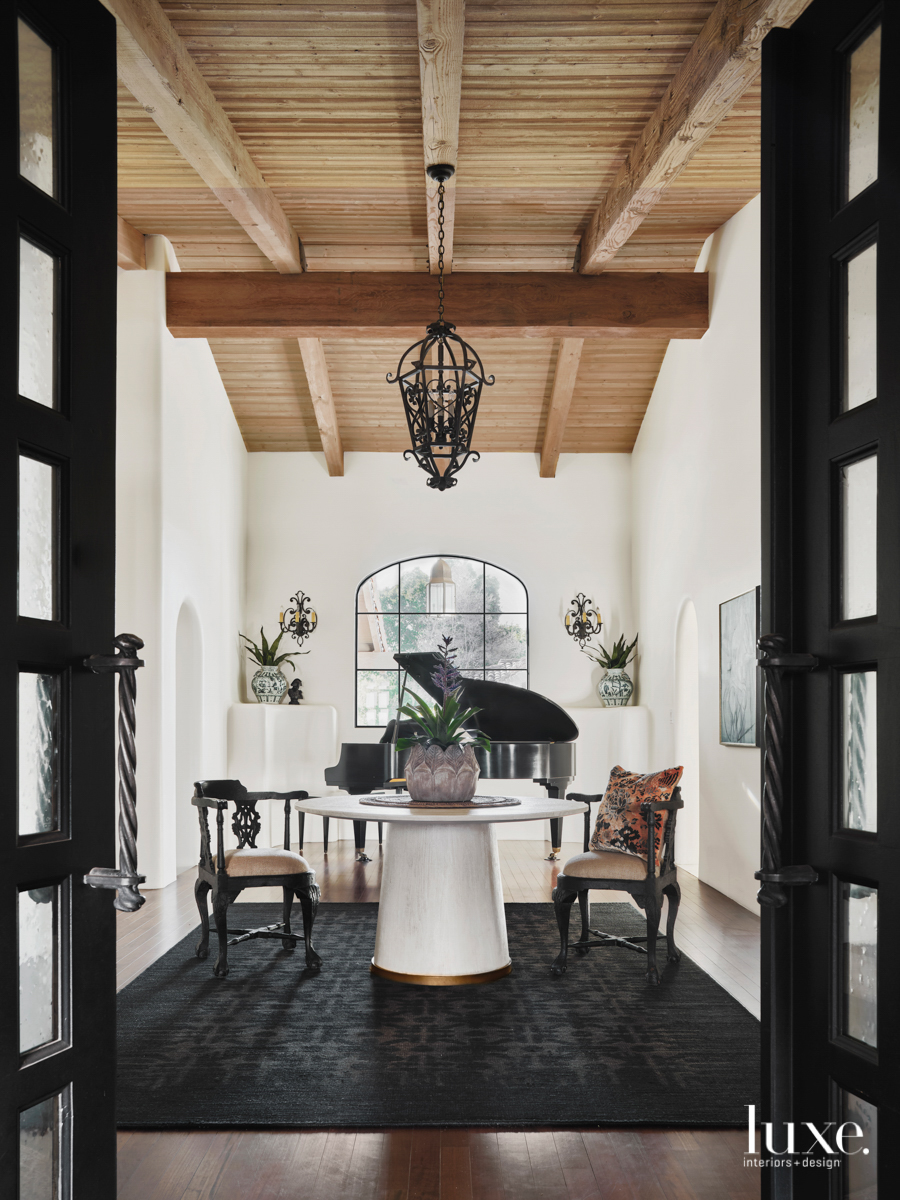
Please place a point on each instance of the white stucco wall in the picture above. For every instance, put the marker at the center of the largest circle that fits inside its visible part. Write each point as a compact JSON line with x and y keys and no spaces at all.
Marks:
{"x":181,"y":495}
{"x":559,"y":536}
{"x":696,"y":536}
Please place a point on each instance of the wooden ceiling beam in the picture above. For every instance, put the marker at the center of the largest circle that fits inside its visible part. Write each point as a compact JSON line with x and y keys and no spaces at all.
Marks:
{"x":130,"y":252}
{"x":156,"y":67}
{"x":719,"y":67}
{"x":441,"y":28}
{"x":317,"y":377}
{"x":323,"y":304}
{"x":567,"y":361}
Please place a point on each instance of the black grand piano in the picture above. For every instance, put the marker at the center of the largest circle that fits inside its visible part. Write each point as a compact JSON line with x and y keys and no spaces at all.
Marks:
{"x":531,"y":738}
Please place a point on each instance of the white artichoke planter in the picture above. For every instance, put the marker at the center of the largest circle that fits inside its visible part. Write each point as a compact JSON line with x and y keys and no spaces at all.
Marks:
{"x":269,"y":685}
{"x":437,"y":775}
{"x":616,"y":688}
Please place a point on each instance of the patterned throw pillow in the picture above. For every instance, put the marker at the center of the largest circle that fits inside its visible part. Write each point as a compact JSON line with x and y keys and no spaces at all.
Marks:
{"x":620,"y":823}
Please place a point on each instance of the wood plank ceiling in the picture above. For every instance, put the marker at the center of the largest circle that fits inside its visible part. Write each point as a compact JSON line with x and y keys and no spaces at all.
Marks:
{"x":326,"y":99}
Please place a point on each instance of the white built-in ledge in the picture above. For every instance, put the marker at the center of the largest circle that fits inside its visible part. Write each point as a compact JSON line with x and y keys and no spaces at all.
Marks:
{"x":280,"y":748}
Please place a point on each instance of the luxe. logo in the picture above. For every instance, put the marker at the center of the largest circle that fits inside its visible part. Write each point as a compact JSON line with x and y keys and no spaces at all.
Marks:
{"x":831,"y":1140}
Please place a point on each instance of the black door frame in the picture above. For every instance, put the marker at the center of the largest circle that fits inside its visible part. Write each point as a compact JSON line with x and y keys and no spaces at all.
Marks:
{"x":78,"y":437}
{"x":807,"y":228}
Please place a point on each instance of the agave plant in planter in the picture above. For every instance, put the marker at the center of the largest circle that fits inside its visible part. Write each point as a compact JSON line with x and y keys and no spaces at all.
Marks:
{"x":615,"y":688}
{"x":269,"y":683}
{"x":442,"y":768}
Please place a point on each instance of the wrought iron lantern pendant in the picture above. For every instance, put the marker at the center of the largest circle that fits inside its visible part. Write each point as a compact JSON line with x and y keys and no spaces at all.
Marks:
{"x":440,"y":380}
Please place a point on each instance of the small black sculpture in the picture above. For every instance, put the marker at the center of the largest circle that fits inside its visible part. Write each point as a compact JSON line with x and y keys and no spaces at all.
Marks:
{"x":295,"y":695}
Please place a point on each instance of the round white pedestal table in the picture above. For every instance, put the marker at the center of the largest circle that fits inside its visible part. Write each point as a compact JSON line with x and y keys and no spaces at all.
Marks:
{"x":440,"y":916}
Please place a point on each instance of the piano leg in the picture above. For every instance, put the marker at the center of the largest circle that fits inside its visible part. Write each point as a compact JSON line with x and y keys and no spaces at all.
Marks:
{"x":553,"y":790}
{"x":359,"y":836}
{"x":325,"y":823}
{"x":555,"y":839}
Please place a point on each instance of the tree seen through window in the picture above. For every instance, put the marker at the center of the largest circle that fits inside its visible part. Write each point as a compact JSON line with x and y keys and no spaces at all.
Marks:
{"x":411,"y":605}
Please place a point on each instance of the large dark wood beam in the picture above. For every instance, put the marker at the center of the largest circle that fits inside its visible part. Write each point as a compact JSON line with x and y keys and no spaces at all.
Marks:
{"x":261,"y":304}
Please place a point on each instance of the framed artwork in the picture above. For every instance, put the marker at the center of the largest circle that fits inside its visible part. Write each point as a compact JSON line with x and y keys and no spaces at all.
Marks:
{"x":739,"y":694}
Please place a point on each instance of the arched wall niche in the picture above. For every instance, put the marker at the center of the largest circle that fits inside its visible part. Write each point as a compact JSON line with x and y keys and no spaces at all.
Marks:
{"x":687,"y":734}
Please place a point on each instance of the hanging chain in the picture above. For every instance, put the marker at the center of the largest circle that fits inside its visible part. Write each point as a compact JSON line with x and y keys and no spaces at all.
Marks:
{"x":441,"y":250}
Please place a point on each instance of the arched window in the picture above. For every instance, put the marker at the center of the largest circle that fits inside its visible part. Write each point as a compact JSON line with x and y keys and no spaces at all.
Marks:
{"x":411,"y":605}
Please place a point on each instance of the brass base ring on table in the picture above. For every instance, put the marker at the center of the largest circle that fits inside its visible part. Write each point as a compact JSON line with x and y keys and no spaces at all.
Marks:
{"x":440,"y":980}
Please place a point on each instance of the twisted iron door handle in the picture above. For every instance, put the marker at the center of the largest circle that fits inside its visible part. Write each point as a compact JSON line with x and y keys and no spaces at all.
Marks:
{"x":125,"y":879}
{"x":774,"y":659}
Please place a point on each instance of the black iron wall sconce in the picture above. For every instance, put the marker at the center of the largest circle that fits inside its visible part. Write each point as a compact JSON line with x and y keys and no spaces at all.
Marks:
{"x":583,"y":620}
{"x":299,"y":620}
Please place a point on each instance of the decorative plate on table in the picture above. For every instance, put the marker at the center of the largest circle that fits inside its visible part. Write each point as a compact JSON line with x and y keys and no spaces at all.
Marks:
{"x":404,"y":800}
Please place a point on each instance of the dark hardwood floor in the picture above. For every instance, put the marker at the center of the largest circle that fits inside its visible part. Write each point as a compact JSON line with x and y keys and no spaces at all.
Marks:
{"x":446,"y":1164}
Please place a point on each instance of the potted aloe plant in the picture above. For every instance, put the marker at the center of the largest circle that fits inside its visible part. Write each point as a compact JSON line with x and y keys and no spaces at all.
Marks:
{"x":442,"y":768}
{"x":615,"y":688}
{"x":269,"y":683}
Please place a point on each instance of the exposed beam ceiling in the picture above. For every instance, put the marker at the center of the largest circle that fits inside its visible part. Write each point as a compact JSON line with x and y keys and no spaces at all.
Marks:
{"x":130,"y":251}
{"x":441,"y":28}
{"x":158,"y":70}
{"x":257,"y":304}
{"x":316,"y":369}
{"x":719,"y":67}
{"x":567,"y":361}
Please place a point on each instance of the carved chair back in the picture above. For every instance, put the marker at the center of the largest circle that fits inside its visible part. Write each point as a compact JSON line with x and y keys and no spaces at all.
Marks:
{"x":667,"y":856}
{"x":245,"y":821}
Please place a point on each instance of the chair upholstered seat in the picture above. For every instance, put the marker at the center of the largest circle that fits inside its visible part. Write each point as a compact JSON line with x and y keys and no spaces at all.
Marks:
{"x":226,"y":873}
{"x":606,"y":864}
{"x":263,"y":861}
{"x":611,"y":868}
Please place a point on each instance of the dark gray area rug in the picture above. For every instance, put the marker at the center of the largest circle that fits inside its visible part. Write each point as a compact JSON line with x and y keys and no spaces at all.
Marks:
{"x":271,"y":1046}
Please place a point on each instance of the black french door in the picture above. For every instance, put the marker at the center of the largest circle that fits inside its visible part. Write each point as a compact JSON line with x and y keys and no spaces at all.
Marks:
{"x":831,"y":590}
{"x":57,"y":502}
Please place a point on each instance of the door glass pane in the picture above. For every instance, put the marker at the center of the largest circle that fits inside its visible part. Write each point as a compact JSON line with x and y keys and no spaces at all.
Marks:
{"x":43,"y":1142}
{"x":860,"y":351}
{"x":376,"y":697}
{"x":859,"y":942}
{"x":38,"y":971}
{"x":37,"y":324}
{"x":862,"y":114}
{"x":38,"y":757}
{"x":37,"y":539}
{"x":503,"y":592}
{"x":859,"y":495}
{"x":36,"y":115}
{"x":506,"y":642}
{"x":860,"y":760}
{"x":860,"y":1165}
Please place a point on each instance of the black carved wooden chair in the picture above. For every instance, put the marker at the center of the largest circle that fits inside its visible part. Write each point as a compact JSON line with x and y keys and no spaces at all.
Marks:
{"x":612,"y":870}
{"x":227,"y":872}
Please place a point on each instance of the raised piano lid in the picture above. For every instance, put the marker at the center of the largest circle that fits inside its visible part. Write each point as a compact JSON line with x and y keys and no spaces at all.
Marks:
{"x":508,"y":714}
